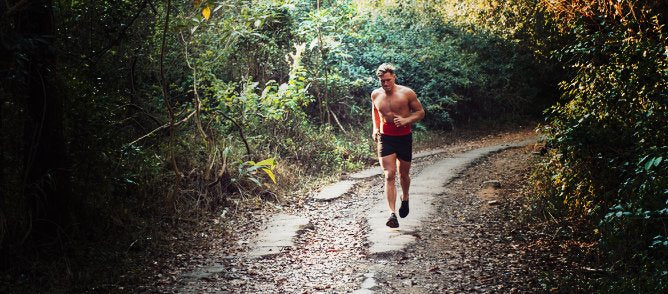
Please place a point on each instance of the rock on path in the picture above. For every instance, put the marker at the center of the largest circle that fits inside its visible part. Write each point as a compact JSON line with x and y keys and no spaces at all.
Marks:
{"x":278,"y":235}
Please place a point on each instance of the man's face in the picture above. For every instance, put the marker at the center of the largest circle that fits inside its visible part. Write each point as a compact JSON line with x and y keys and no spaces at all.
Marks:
{"x":387,"y":81}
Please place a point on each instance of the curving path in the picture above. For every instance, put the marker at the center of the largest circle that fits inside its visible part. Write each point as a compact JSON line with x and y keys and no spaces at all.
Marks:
{"x":337,"y":242}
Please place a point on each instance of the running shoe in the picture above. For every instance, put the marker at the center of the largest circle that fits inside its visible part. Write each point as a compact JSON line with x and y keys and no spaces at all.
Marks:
{"x":403,"y":210}
{"x":392,"y":222}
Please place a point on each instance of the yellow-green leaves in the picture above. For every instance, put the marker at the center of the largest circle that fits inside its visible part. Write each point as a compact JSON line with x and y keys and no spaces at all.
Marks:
{"x":267,"y":166}
{"x":206,"y":12}
{"x":248,"y":173}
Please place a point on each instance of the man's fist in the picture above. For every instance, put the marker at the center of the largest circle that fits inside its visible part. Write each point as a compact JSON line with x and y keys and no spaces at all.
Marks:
{"x":399,"y":121}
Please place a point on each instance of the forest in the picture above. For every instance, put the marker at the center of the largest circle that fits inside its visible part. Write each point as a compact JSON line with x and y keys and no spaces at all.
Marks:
{"x":122,"y":119}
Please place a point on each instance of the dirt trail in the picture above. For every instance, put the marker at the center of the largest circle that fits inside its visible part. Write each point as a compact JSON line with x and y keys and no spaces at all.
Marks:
{"x":476,"y":242}
{"x":459,"y":248}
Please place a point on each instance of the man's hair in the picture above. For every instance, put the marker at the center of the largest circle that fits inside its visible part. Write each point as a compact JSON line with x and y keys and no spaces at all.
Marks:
{"x":385,"y":68}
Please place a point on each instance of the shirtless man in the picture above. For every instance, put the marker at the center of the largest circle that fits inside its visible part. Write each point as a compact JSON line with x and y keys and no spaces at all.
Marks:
{"x":394,"y":109}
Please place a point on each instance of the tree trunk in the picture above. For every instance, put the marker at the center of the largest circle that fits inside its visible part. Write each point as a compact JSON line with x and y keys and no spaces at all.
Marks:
{"x":46,"y":184}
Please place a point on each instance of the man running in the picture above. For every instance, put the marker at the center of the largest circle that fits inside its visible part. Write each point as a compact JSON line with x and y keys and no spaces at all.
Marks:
{"x":394,"y":109}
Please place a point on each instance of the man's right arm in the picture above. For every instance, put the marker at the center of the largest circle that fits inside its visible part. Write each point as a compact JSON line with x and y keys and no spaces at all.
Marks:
{"x":374,"y":118}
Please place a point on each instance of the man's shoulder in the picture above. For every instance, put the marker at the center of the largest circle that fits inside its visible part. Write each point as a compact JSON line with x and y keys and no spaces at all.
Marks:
{"x":406,"y":90}
{"x":376,"y":92}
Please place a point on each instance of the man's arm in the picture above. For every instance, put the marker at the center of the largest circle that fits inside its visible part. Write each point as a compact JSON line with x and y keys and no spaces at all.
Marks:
{"x":375,"y":118}
{"x":417,"y":112}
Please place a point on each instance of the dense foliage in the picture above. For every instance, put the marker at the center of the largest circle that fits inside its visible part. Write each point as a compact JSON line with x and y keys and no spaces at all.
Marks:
{"x":118,"y":117}
{"x":610,"y":137}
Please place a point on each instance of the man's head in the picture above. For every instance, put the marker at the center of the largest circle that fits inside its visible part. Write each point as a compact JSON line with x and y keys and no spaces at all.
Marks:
{"x":385,"y":73}
{"x":385,"y":68}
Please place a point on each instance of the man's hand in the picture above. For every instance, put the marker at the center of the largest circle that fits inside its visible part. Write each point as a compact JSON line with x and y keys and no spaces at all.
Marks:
{"x":375,"y":135}
{"x":400,"y":121}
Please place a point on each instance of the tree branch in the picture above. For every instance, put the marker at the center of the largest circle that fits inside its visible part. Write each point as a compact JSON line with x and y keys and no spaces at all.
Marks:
{"x":165,"y":92}
{"x":162,"y":127}
{"x":121,"y":34}
{"x":241,"y":132}
{"x":135,"y":106}
{"x":337,"y":121}
{"x":198,"y":102}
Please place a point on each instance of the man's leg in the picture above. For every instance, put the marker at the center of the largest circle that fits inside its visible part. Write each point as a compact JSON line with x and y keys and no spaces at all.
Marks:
{"x":404,"y":177}
{"x":405,"y":181}
{"x":389,"y":165}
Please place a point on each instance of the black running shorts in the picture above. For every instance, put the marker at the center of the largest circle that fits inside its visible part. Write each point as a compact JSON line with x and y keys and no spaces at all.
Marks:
{"x":401,"y":145}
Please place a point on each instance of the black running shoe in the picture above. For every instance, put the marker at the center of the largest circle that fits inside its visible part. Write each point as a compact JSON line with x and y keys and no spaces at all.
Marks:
{"x":392,"y":222}
{"x":403,"y":210}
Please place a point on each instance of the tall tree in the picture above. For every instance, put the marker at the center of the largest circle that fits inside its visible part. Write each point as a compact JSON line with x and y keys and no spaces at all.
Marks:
{"x":46,"y":184}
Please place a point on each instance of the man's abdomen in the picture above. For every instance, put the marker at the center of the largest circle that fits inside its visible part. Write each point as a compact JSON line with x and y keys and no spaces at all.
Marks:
{"x":390,"y":129}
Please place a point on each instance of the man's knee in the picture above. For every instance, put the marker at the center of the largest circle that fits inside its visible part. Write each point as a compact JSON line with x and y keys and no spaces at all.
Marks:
{"x":390,"y":174}
{"x":405,"y":177}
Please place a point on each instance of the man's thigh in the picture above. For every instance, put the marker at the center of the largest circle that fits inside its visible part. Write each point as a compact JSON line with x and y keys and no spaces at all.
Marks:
{"x":389,"y":162}
{"x":404,"y":167}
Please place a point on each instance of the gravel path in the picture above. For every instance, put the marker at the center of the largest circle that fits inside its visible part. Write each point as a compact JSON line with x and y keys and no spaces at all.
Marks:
{"x":471,"y":244}
{"x":476,"y":241}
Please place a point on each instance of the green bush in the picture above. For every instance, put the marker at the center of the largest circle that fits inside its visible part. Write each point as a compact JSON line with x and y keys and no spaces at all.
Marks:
{"x":610,"y":139}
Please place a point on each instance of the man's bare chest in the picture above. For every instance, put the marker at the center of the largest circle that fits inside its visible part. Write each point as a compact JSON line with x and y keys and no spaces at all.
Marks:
{"x":391,"y":104}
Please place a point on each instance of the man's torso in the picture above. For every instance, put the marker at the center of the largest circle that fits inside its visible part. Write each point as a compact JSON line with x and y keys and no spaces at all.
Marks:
{"x":388,"y":106}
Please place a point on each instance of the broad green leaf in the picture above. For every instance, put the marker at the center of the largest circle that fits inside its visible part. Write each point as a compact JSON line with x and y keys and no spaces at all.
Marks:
{"x":256,"y":181}
{"x":649,"y":163}
{"x":254,"y":168}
